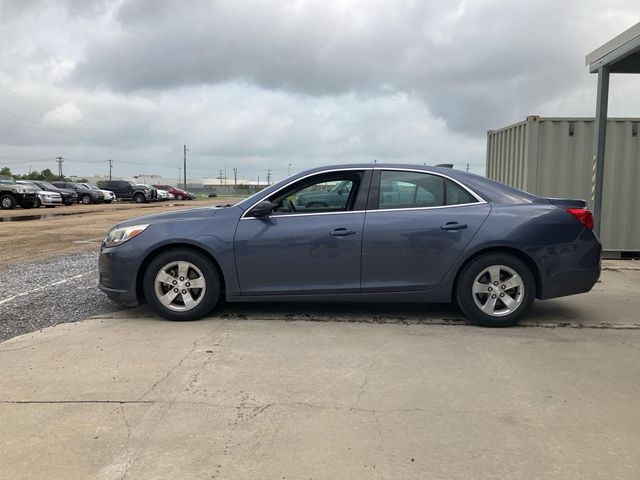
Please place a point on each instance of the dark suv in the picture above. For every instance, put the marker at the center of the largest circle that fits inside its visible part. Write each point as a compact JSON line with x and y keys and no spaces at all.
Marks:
{"x":68,"y":196}
{"x":12,"y":194}
{"x":86,"y":196}
{"x":126,"y":190}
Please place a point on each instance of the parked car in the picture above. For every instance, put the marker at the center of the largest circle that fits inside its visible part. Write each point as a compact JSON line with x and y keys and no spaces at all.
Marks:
{"x":331,"y":197}
{"x":163,"y":194}
{"x":152,"y":190}
{"x":109,"y":196}
{"x":126,"y":190}
{"x":212,"y":195}
{"x":45,"y":198}
{"x":69,"y":197}
{"x":403,"y":233}
{"x":86,"y":196}
{"x":13,"y":194}
{"x":176,"y":192}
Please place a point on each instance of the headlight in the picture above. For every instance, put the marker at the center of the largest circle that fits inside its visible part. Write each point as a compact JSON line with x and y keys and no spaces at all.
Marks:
{"x":21,"y":190}
{"x":120,"y":235}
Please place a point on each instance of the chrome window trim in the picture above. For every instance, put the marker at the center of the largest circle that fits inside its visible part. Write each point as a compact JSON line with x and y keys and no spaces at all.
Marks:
{"x":473,"y":194}
{"x":352,"y":169}
{"x":480,"y":200}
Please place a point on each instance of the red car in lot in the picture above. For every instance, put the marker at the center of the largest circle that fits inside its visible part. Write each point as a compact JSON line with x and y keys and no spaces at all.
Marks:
{"x":176,"y":192}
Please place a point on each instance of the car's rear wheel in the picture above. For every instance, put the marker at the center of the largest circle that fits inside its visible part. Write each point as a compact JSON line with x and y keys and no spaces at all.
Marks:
{"x":496,"y":290}
{"x":181,"y":284}
{"x":138,"y":198}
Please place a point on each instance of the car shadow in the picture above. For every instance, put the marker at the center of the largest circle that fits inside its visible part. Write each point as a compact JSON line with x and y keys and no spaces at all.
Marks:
{"x":555,"y":313}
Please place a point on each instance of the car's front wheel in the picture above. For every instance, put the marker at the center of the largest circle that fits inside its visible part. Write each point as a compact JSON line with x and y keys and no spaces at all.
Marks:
{"x":86,"y":200}
{"x":496,"y":290}
{"x":181,"y":284}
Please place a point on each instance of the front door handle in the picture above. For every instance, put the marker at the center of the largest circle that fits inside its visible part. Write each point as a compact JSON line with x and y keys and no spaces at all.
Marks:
{"x":453,"y":226}
{"x":342,"y":232}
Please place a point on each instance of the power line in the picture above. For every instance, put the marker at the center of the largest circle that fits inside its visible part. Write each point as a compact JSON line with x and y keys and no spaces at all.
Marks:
{"x":50,"y":109}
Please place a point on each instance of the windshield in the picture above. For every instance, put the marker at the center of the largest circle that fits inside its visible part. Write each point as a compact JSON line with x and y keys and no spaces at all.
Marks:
{"x":46,"y":185}
{"x":89,"y":186}
{"x":6,"y":180}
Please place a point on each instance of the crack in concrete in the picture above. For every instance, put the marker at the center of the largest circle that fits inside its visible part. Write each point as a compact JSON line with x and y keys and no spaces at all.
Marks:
{"x":181,"y":361}
{"x":365,"y":382}
{"x":126,"y":444}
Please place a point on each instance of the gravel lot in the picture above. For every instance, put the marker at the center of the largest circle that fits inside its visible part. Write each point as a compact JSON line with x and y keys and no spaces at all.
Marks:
{"x":39,"y":294}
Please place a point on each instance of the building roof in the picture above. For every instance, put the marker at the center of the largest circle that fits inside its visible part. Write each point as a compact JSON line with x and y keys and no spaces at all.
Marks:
{"x":621,"y":54}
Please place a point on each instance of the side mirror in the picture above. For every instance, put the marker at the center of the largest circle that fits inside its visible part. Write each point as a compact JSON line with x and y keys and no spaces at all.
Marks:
{"x":262,"y":209}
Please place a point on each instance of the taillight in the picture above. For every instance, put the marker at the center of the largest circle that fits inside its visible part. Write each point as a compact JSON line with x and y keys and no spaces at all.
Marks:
{"x":584,"y":215}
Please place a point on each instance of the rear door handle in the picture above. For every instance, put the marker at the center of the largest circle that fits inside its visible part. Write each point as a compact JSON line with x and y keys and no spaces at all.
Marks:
{"x":453,"y":226}
{"x":342,"y":232}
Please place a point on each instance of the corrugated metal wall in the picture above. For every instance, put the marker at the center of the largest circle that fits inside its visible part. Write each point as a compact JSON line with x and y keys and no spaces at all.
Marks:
{"x":554,"y":157}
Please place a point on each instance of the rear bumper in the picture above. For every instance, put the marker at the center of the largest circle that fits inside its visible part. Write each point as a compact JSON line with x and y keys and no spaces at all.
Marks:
{"x":571,"y":269}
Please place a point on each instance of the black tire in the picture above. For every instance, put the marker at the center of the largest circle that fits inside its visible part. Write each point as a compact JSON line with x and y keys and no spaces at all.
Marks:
{"x":211,"y":294}
{"x":179,"y":197}
{"x":465,"y":296}
{"x":108,"y":201}
{"x":7,"y":201}
{"x":37,"y":203}
{"x":50,"y":206}
{"x":138,"y":198}
{"x":86,"y":200}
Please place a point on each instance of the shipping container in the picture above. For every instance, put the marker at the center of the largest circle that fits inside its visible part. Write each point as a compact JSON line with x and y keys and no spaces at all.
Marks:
{"x":553,"y":157}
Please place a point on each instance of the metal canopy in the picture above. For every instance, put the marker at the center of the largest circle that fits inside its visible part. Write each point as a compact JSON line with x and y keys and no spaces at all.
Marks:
{"x":619,"y":55}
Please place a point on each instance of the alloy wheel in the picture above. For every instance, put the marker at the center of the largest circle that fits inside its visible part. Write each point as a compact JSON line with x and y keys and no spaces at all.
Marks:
{"x":180,"y":286}
{"x":498,"y":290}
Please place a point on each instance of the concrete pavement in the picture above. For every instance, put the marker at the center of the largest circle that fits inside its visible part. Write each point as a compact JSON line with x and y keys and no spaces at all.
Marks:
{"x":348,"y":392}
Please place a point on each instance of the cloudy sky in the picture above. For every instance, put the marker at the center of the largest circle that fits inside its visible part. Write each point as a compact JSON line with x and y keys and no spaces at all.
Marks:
{"x":260,"y":85}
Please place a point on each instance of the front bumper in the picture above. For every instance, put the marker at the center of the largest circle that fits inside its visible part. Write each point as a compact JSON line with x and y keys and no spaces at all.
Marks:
{"x":50,"y":201}
{"x":118,"y":269}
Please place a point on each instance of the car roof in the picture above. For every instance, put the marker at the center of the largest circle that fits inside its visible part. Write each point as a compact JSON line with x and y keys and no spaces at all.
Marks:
{"x":488,"y":189}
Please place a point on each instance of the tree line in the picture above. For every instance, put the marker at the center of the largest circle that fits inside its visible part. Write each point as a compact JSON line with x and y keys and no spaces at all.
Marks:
{"x":45,"y":175}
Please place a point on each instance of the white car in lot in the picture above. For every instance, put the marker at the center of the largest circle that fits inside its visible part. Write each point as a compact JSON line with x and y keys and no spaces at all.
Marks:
{"x":45,"y":198}
{"x":109,"y":196}
{"x":163,"y":195}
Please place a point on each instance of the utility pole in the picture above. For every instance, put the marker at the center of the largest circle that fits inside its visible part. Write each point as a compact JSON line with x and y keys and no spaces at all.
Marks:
{"x":110,"y":167}
{"x":179,"y":175}
{"x":258,"y":180}
{"x":289,"y":172}
{"x":59,"y":160}
{"x":235,"y":176}
{"x":220,"y":176}
{"x":467,"y":167}
{"x":184,"y":170}
{"x":268,"y":177}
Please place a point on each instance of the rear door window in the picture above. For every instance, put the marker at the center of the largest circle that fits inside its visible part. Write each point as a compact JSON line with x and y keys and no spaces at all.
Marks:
{"x":404,"y":189}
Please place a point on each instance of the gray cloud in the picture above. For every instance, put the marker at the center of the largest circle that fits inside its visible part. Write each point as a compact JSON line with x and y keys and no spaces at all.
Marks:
{"x":261,"y":84}
{"x":470,"y":62}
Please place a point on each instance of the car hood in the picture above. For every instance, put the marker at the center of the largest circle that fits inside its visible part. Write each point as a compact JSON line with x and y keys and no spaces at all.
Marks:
{"x":176,"y":216}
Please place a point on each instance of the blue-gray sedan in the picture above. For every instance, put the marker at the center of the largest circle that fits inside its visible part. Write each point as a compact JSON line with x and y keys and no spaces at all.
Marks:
{"x":391,"y":233}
